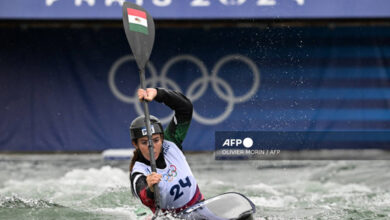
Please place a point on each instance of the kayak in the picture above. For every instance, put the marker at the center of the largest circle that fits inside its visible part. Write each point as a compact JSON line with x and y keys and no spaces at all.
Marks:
{"x":227,"y":206}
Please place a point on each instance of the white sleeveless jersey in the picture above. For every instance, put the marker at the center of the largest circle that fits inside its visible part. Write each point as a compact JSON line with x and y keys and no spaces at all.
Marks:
{"x":178,"y":185}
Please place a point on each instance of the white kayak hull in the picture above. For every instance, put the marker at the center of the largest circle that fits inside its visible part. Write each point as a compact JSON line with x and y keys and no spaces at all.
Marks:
{"x":227,"y":206}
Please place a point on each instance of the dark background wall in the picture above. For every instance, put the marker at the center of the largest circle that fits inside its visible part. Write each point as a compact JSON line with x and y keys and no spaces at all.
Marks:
{"x":56,"y":95}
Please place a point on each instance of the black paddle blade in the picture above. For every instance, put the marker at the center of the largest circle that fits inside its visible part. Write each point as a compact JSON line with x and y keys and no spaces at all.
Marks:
{"x":139,"y":29}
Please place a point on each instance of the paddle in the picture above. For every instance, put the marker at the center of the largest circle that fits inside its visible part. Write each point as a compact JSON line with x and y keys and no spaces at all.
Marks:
{"x":139,"y":29}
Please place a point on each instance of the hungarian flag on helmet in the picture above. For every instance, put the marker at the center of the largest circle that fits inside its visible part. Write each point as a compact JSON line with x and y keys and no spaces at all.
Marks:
{"x":138,"y":21}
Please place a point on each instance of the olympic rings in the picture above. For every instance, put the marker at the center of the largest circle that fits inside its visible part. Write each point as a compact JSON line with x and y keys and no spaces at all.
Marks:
{"x":170,"y":174}
{"x":197,"y":62}
{"x":252,"y":66}
{"x":111,"y":79}
{"x":203,"y":82}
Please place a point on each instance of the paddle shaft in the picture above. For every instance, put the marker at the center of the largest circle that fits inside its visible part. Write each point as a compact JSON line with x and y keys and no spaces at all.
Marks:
{"x":150,"y":141}
{"x":141,"y":44}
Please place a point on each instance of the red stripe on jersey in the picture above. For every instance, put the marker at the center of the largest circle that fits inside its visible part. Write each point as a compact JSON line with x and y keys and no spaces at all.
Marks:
{"x":146,"y":200}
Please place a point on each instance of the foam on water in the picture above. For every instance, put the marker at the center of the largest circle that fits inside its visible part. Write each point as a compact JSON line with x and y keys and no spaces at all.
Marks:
{"x":263,"y":189}
{"x":76,"y":185}
{"x":89,"y":188}
{"x":104,"y":190}
{"x":16,"y":202}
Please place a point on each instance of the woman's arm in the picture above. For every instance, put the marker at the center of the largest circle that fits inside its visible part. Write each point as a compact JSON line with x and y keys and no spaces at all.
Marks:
{"x":141,"y":186}
{"x":178,"y":126}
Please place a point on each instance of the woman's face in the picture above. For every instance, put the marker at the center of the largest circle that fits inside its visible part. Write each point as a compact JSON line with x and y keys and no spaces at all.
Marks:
{"x":142,"y":145}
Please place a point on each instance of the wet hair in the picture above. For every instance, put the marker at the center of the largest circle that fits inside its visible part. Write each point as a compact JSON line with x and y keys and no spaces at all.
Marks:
{"x":135,"y":157}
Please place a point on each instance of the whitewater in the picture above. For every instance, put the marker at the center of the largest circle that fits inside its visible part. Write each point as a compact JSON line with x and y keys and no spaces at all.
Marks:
{"x":84,"y":186}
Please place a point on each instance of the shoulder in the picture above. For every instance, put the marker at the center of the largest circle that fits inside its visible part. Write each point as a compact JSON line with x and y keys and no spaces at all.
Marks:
{"x":169,"y":146}
{"x":140,"y":168}
{"x":171,"y":150}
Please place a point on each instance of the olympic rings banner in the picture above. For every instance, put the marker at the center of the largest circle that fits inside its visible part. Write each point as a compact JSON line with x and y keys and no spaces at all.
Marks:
{"x":75,"y":89}
{"x":196,"y":9}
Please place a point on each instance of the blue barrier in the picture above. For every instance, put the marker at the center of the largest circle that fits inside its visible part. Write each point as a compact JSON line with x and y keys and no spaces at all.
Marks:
{"x":74,"y":89}
{"x":196,"y":9}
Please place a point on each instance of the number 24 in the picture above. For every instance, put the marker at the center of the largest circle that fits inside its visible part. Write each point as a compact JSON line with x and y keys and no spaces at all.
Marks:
{"x":175,"y":190}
